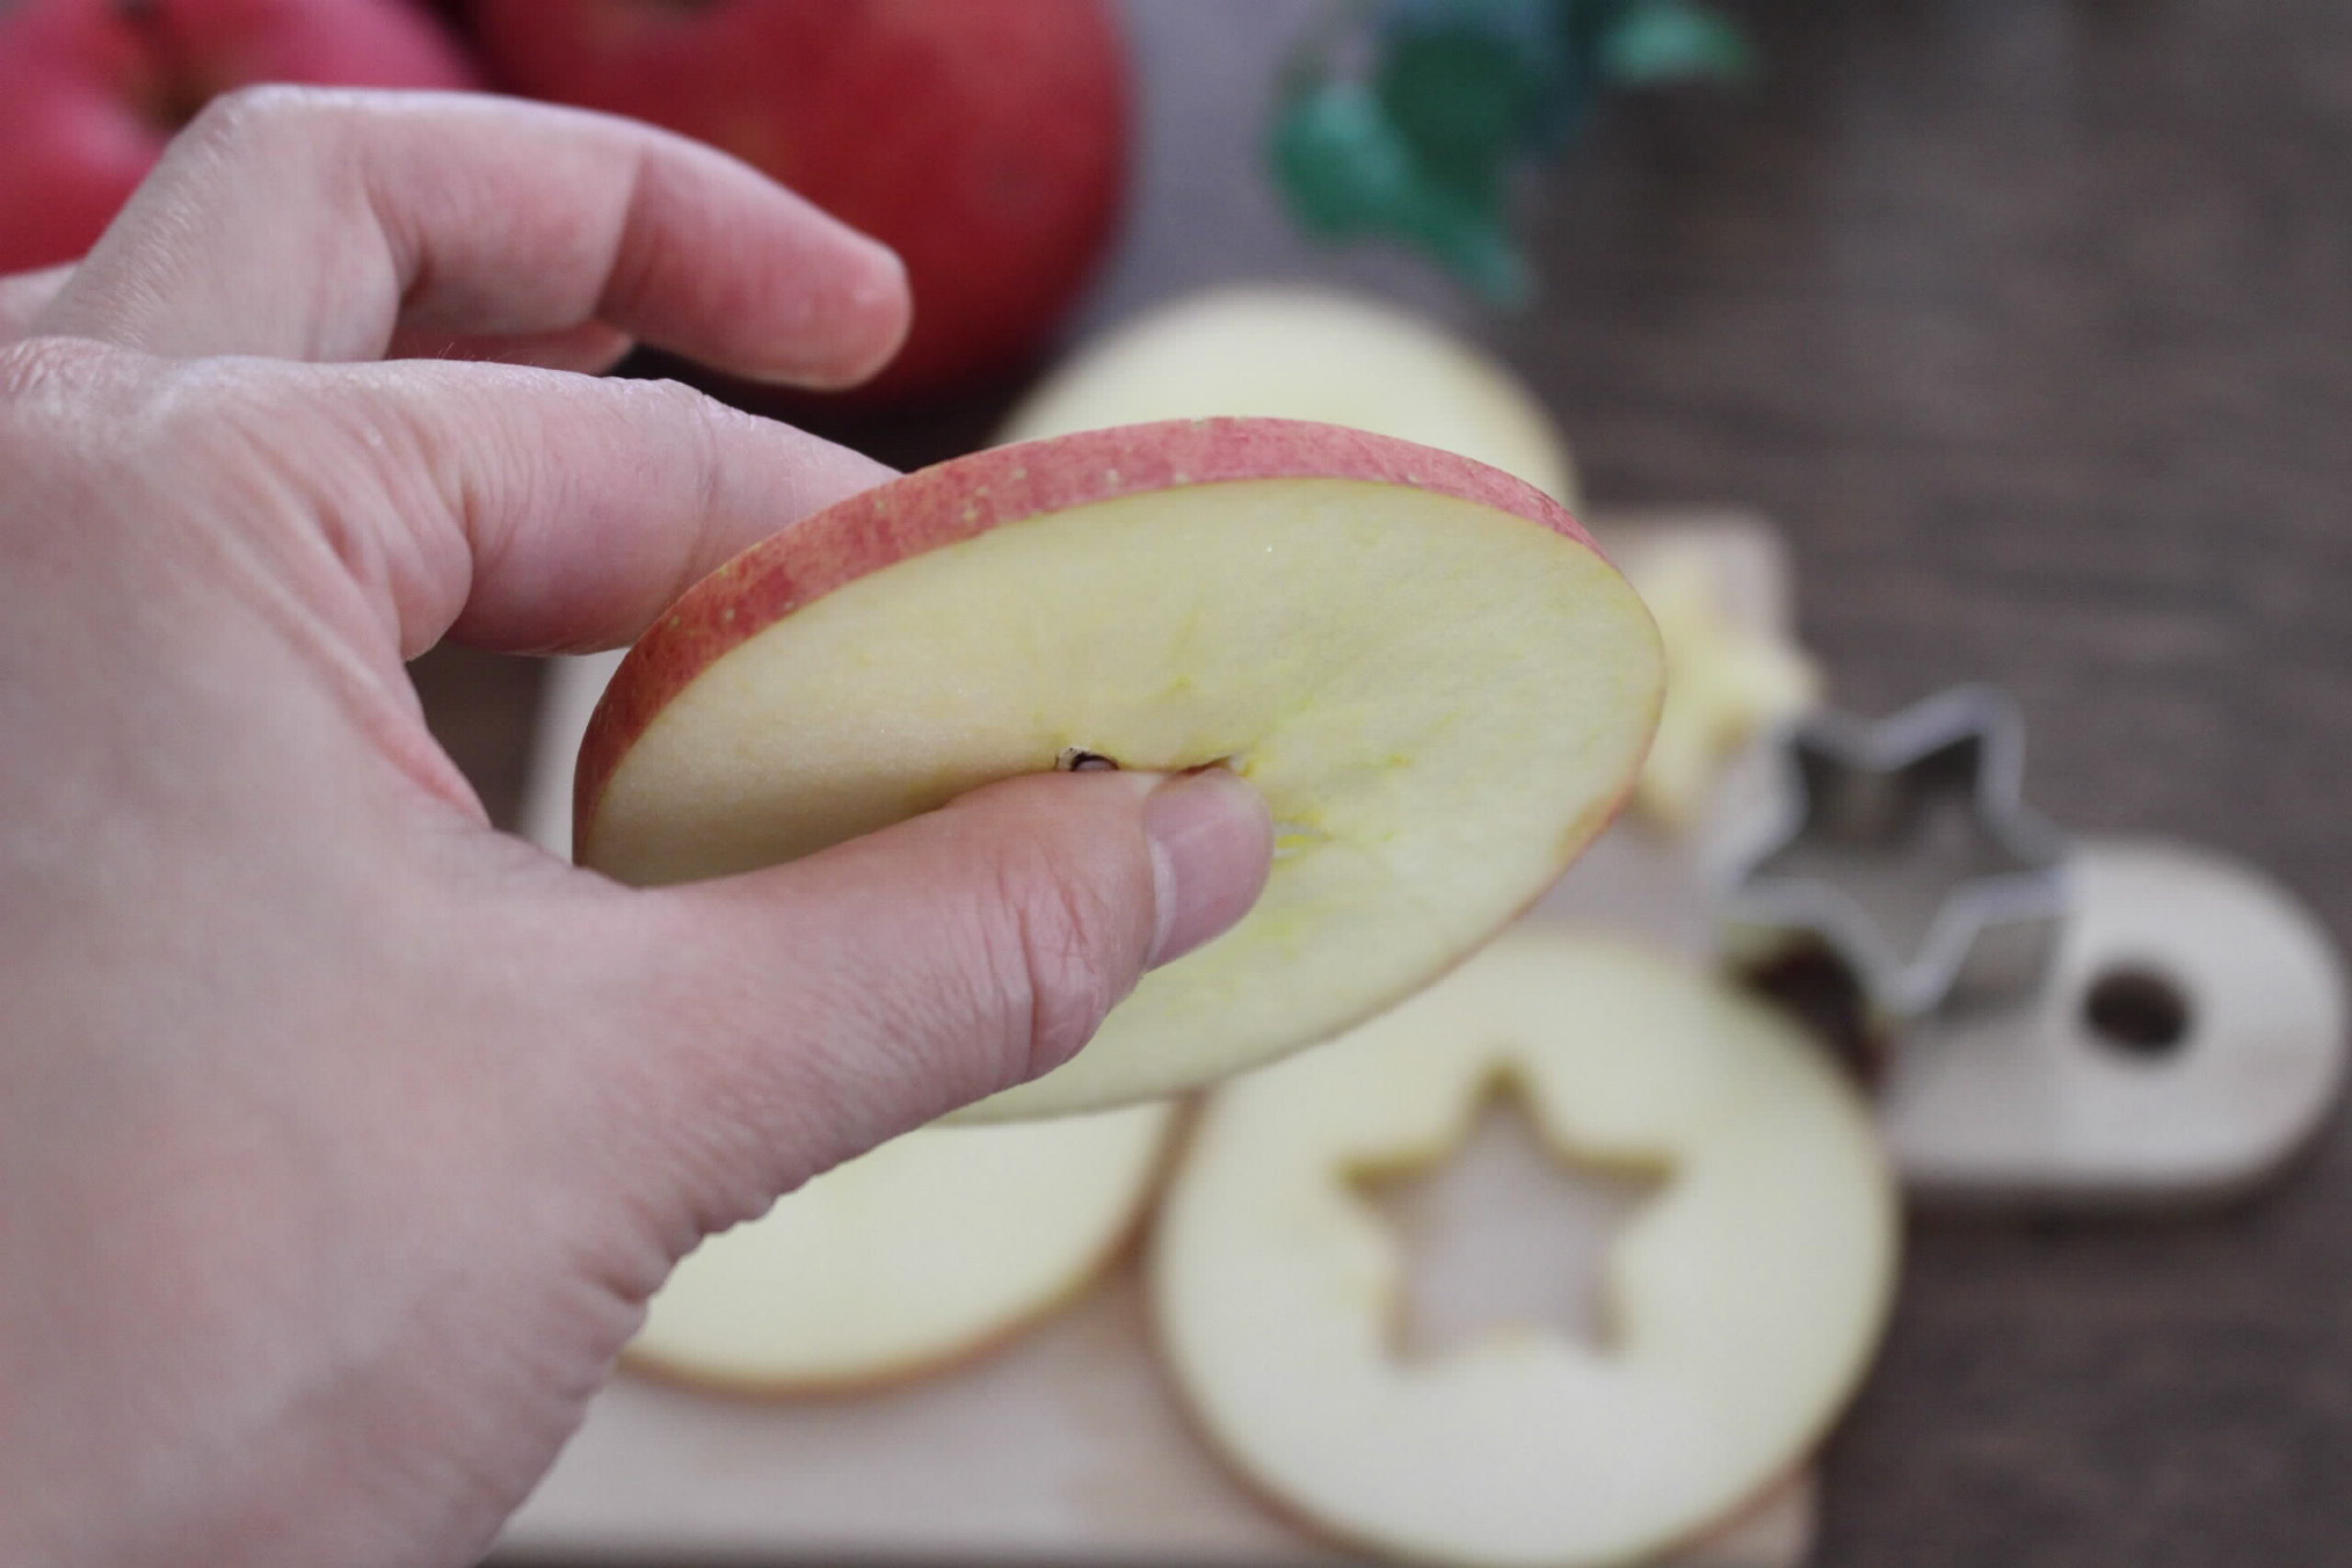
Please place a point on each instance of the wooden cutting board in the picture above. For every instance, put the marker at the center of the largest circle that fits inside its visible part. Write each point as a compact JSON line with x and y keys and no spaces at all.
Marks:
{"x":1066,"y":1444}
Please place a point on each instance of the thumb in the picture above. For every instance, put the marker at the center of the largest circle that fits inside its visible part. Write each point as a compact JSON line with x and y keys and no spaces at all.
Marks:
{"x":802,"y":1014}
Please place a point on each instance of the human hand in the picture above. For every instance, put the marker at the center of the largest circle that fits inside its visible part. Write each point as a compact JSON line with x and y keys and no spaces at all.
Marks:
{"x":342,"y":1137}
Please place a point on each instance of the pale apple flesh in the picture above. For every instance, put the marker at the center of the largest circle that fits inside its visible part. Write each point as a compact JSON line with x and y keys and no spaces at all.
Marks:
{"x":1726,"y":684}
{"x":1295,"y":352}
{"x":926,"y":1250}
{"x":1744,"y":1302}
{"x":1442,"y":689}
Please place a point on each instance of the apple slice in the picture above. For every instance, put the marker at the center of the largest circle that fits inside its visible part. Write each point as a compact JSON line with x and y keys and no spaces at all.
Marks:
{"x":1438,"y":685}
{"x":1729,"y":682}
{"x":1289,"y":351}
{"x":929,"y":1248}
{"x":1743,"y":1301}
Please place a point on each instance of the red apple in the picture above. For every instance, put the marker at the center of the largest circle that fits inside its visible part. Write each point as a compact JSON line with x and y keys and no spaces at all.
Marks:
{"x":91,"y":90}
{"x":1437,"y":684}
{"x":984,"y":140}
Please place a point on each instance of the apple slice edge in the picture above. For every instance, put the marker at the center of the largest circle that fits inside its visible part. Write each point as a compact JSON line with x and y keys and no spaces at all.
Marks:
{"x":965,"y":497}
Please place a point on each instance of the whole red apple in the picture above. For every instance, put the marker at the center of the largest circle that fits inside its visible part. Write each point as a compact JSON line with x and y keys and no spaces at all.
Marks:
{"x":91,"y":90}
{"x":983,"y":139}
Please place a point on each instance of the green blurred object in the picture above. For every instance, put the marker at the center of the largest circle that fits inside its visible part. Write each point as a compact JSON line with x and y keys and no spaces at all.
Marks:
{"x":1407,"y":118}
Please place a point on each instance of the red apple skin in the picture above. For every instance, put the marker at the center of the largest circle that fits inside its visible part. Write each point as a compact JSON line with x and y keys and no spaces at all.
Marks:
{"x":967,"y":496}
{"x":985,"y":141}
{"x":92,"y":90}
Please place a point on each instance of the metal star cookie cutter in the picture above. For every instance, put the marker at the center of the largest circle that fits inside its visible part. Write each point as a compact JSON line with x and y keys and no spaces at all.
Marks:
{"x":1904,"y":848}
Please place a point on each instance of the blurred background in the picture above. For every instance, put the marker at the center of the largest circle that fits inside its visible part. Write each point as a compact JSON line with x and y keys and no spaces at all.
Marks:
{"x":2027,"y":323}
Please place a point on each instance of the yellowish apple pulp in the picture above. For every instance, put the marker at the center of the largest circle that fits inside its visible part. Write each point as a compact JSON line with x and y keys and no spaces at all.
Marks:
{"x":1290,"y":351}
{"x":927,"y":1248}
{"x":1442,"y":701}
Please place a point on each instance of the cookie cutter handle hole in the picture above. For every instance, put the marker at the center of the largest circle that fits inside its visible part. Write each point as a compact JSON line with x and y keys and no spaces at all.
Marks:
{"x":2139,"y":1009}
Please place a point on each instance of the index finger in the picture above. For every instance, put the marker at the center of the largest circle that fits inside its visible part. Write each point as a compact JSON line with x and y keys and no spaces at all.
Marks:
{"x":305,"y":224}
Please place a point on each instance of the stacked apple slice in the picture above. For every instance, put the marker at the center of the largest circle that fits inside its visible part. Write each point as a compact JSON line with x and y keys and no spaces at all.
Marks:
{"x":922,"y":1252}
{"x":1292,"y":350}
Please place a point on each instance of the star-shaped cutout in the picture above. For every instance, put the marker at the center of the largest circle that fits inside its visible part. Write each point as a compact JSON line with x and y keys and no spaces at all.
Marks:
{"x":1727,"y":681}
{"x":1505,"y":1235}
{"x":1905,"y":847}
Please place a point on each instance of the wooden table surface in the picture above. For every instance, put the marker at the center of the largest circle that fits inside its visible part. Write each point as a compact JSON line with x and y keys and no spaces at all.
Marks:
{"x":2032,"y":322}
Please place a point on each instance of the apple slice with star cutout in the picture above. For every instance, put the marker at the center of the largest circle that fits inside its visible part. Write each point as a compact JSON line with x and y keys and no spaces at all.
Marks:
{"x":1740,"y":1298}
{"x":923,"y":1251}
{"x":1438,"y":683}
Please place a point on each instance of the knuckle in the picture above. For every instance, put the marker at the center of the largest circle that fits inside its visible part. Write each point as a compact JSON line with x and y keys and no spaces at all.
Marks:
{"x":675,"y":402}
{"x":222,"y":406}
{"x":282,"y":458}
{"x":174,"y":422}
{"x":275,"y":125}
{"x":673,"y":394}
{"x":275,"y":112}
{"x":695,"y":429}
{"x":675,"y":410}
{"x":246,"y":115}
{"x":38,"y":370}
